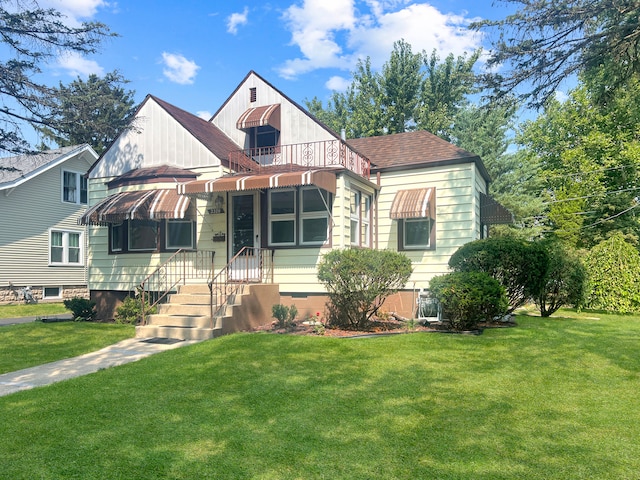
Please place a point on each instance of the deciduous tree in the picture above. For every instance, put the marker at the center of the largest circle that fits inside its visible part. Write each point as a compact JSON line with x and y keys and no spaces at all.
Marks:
{"x":546,"y":41}
{"x":30,"y":36}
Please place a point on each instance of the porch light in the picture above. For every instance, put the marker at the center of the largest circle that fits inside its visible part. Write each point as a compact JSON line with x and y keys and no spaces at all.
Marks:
{"x":218,"y":205}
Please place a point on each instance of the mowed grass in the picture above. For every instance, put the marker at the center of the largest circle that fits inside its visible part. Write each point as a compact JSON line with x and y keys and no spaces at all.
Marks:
{"x":551,"y":398}
{"x":31,"y":310}
{"x":35,"y":343}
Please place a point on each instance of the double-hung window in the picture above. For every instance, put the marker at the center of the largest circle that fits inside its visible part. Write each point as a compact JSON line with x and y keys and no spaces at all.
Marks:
{"x":360,"y":215}
{"x":298,"y":216}
{"x":314,"y":216}
{"x":282,"y":217}
{"x":65,"y":247}
{"x":74,"y":187}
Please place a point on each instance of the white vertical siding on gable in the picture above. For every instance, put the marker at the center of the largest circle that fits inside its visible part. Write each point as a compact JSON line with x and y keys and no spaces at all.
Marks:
{"x":296,"y":126}
{"x":155,"y":139}
{"x":26,"y":215}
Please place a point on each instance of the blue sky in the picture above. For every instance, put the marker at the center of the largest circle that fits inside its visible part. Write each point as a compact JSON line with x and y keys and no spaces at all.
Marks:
{"x":194,"y":53}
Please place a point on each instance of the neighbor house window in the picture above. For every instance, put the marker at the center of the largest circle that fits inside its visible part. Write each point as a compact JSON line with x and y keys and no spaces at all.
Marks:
{"x":74,"y":187}
{"x":65,"y":247}
{"x":51,"y":292}
{"x":298,"y":217}
{"x":360,"y":214}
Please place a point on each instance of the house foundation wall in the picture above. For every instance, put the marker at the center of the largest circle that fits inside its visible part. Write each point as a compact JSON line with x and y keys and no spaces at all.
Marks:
{"x":402,"y":303}
{"x":107,"y":301}
{"x":12,"y":294}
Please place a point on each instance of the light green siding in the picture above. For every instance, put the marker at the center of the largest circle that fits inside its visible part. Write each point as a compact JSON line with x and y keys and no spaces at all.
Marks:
{"x":457,"y":214}
{"x":27,"y":214}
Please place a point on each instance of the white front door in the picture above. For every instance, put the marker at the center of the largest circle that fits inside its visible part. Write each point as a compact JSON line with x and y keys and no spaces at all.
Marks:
{"x":245,"y":232}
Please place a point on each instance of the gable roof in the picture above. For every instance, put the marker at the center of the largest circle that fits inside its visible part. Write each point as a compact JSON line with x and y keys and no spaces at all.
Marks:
{"x":210,"y":136}
{"x":285,"y":96}
{"x":412,"y":149}
{"x":19,"y":169}
{"x":205,"y":132}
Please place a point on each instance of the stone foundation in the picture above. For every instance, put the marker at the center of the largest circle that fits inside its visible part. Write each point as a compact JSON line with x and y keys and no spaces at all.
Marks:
{"x":11,"y":294}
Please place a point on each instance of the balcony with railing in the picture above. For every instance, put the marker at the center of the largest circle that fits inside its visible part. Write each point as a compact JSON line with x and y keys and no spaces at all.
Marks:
{"x":309,"y":155}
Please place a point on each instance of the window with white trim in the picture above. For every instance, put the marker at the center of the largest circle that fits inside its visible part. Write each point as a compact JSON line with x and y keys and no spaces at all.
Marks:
{"x":416,"y":233}
{"x":360,"y":215}
{"x":314,"y":217}
{"x":179,"y":234}
{"x":298,"y":216}
{"x":51,"y":292}
{"x":282,"y":217}
{"x":74,"y":187}
{"x":143,"y":235}
{"x":65,"y":247}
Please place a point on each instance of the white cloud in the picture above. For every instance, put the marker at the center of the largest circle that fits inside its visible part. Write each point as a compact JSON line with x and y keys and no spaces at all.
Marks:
{"x":337,"y":83}
{"x":78,"y":66}
{"x":178,"y":69}
{"x":335,"y":33}
{"x":236,"y":19}
{"x":561,"y":96}
{"x":75,"y":10}
{"x":204,"y":114}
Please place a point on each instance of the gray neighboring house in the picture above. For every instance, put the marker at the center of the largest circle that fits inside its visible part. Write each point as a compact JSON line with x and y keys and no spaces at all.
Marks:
{"x":42,"y":246}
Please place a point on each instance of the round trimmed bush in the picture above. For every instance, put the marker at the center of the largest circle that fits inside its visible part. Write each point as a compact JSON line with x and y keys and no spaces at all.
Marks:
{"x":468,"y":298}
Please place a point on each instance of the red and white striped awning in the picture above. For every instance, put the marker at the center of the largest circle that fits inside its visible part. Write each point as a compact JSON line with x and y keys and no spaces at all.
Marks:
{"x":324,"y":179}
{"x":260,"y":116}
{"x":415,"y":203}
{"x":137,"y":205}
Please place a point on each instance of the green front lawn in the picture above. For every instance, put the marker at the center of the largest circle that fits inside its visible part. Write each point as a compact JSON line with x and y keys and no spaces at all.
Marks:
{"x":552,"y":398}
{"x":31,"y":310}
{"x":29,"y":344}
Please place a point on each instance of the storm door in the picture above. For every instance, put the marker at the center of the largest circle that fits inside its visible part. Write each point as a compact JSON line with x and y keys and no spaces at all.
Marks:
{"x":245,"y":232}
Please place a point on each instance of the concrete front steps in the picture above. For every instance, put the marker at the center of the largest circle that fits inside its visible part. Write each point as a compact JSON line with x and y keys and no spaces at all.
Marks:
{"x":186,"y":315}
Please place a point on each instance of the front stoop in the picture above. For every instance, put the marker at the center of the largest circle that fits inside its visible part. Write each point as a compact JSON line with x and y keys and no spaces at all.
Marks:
{"x":186,"y":315}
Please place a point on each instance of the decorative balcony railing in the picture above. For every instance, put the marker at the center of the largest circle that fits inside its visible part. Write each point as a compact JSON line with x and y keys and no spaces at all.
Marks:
{"x":328,"y":153}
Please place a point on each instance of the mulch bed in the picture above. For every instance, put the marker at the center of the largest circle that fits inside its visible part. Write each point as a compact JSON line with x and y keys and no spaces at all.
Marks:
{"x":387,"y":327}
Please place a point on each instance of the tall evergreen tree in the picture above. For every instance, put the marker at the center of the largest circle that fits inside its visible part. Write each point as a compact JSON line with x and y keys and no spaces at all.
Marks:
{"x":94,"y":111}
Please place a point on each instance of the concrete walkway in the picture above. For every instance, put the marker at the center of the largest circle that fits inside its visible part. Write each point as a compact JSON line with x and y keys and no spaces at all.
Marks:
{"x":120,"y":353}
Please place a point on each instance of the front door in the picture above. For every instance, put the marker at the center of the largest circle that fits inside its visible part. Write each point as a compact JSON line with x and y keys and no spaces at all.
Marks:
{"x":245,"y":232}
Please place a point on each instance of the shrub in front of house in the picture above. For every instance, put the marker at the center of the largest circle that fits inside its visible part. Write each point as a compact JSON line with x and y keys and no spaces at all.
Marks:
{"x":358,"y":281}
{"x":468,"y":298}
{"x":565,"y":283}
{"x":613,"y":267}
{"x":284,"y":315}
{"x":82,"y":309}
{"x":130,"y":311}
{"x":518,"y":265}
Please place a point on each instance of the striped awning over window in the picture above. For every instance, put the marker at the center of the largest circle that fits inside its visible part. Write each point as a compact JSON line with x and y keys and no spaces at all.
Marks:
{"x":138,"y":205}
{"x":260,"y":116}
{"x":415,"y":203}
{"x":324,"y":179}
